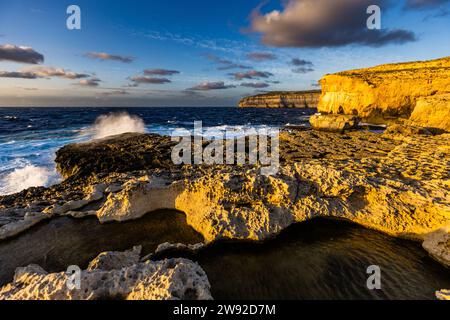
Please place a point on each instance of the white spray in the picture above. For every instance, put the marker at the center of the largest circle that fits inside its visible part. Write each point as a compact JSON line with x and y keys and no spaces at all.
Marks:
{"x":117,"y":123}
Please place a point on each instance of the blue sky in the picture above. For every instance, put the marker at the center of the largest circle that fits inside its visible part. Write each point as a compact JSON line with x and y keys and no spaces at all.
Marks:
{"x":204,"y":42}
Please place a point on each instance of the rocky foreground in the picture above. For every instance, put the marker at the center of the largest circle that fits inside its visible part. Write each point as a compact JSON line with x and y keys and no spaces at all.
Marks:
{"x":397,"y":182}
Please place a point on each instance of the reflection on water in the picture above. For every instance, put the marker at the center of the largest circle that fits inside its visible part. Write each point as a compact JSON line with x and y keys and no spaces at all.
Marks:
{"x":320,"y":259}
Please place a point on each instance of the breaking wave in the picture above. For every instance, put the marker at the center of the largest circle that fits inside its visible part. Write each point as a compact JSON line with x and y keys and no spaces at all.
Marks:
{"x":27,"y":177}
{"x":116,"y":123}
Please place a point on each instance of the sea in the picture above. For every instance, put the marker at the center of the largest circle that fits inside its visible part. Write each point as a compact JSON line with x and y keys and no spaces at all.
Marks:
{"x":29,"y":137}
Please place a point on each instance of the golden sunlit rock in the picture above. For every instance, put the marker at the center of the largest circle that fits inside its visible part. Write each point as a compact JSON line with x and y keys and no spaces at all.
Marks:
{"x":387,"y":92}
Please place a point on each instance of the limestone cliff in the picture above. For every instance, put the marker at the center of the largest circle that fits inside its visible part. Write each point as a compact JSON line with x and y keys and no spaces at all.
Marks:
{"x":389,"y":91}
{"x":294,"y":99}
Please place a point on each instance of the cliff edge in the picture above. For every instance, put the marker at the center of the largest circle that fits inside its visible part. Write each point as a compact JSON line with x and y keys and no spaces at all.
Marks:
{"x":287,"y":99}
{"x":391,"y":91}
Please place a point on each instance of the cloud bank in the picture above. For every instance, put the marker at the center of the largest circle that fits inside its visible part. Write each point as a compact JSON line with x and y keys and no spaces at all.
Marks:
{"x":106,"y":56}
{"x":224,"y":63}
{"x":93,"y":82}
{"x":17,"y":75}
{"x":299,"y":62}
{"x":160,"y":72}
{"x":261,"y":56}
{"x":256,"y":85}
{"x":324,"y":23}
{"x":149,"y":80}
{"x":206,"y":86}
{"x":425,"y":4}
{"x":43,"y":72}
{"x":303,"y":70}
{"x":302,"y":66}
{"x":9,"y":52}
{"x":116,"y":93}
{"x":253,"y":74}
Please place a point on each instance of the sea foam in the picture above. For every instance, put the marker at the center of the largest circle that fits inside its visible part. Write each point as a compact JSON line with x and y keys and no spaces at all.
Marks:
{"x":27,"y":177}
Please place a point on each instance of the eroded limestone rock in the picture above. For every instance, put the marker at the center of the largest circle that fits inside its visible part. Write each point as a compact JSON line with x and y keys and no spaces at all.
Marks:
{"x":138,"y":198}
{"x":115,"y":260}
{"x":443,"y":294}
{"x":389,"y":91}
{"x":333,"y":122}
{"x":94,"y":193}
{"x":404,"y":193}
{"x":123,"y":278}
{"x":437,"y":244}
{"x":179,"y":246}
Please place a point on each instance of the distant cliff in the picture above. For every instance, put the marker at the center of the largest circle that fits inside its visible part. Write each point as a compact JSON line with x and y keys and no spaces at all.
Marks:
{"x":391,"y":91}
{"x":287,"y":99}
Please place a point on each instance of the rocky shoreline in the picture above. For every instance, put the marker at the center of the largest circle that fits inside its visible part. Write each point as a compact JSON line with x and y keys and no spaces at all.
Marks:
{"x":396,"y":182}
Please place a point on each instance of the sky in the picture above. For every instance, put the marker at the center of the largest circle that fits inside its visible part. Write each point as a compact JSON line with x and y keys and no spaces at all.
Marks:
{"x":198,"y":52}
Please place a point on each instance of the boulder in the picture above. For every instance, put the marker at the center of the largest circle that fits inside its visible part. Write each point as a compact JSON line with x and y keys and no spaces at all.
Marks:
{"x":121,"y":153}
{"x":124,"y":278}
{"x":116,"y":260}
{"x":334,"y":122}
{"x":437,"y":244}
